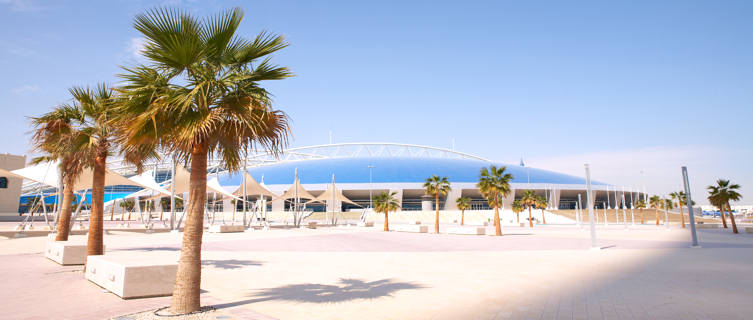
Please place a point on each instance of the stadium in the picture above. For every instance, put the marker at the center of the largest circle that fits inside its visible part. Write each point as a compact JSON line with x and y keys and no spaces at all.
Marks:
{"x":360,"y":170}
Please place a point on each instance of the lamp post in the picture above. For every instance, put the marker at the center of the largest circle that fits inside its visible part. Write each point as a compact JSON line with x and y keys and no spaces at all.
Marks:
{"x":689,"y":203}
{"x":590,"y":204}
{"x":370,"y":186}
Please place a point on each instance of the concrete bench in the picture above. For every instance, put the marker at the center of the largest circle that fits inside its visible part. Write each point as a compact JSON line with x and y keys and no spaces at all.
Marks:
{"x":225,"y":228}
{"x":366,"y":224}
{"x":707,"y":226}
{"x":411,"y":228}
{"x":72,"y":252}
{"x":467,"y":230}
{"x":134,"y":274}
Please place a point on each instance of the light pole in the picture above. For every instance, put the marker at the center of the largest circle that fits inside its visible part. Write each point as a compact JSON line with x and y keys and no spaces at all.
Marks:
{"x":689,"y":203}
{"x":590,"y":204}
{"x":370,"y":186}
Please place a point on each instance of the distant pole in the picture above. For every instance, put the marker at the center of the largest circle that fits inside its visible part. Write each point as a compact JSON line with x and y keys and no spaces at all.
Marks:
{"x":606,"y":223}
{"x":632,"y":206}
{"x":245,"y":195}
{"x":590,"y":203}
{"x":609,"y":205}
{"x":689,"y":204}
{"x":370,"y":185}
{"x":172,"y":195}
{"x":624,"y":217}
{"x":666,"y":214}
{"x":616,"y":205}
{"x":580,"y":213}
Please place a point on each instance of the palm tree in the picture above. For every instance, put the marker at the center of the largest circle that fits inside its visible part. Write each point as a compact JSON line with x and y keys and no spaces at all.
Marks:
{"x":667,"y":205}
{"x":463,"y":203}
{"x":436,"y":186}
{"x":126,"y":205}
{"x":384,"y":203}
{"x":494,"y":184}
{"x":680,"y":197}
{"x":517,"y":208}
{"x":199,"y":96}
{"x":655,"y":202}
{"x":528,"y":199}
{"x":55,"y":134}
{"x":720,"y":196}
{"x":640,"y":205}
{"x":541,"y":204}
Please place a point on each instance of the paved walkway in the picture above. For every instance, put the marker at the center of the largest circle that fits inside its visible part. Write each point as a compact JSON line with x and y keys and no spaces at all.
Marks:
{"x":345,"y":273}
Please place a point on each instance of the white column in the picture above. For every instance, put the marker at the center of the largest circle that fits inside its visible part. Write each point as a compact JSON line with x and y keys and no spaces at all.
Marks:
{"x":452,"y":196}
{"x":507,"y":201}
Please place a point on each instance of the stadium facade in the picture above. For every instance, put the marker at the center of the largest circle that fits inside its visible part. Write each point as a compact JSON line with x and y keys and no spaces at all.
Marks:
{"x":364,"y":169}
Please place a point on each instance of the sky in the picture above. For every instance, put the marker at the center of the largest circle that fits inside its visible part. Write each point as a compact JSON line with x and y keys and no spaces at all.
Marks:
{"x":634,"y":88}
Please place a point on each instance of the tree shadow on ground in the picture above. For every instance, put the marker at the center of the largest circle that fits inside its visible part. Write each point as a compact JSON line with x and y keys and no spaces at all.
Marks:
{"x":344,"y":290}
{"x":230,"y":264}
{"x":150,"y":249}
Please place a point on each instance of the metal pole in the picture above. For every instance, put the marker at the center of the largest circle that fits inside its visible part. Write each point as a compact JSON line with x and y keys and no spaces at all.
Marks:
{"x":606,"y":223}
{"x":689,"y":204}
{"x":666,"y":213}
{"x":624,"y":217}
{"x":632,"y":207}
{"x":172,"y":195}
{"x":245,"y":172}
{"x":370,"y":185}
{"x":616,"y":206}
{"x":590,"y":203}
{"x":580,"y":213}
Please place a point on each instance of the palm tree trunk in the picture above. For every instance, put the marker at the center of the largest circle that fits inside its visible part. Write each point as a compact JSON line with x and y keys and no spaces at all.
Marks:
{"x":642,"y":221}
{"x":682,"y":215}
{"x":517,"y":217}
{"x":462,"y":217}
{"x":657,"y":215}
{"x":543,"y":217}
{"x":530,"y":218}
{"x":732,"y":219}
{"x":724,"y":220}
{"x":386,"y":222}
{"x":497,"y":224}
{"x":436,"y":217}
{"x":186,"y":295}
{"x":112,"y":211}
{"x":95,"y":245}
{"x":64,"y":221}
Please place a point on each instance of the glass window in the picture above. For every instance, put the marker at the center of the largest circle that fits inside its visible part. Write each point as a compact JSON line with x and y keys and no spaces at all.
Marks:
{"x":3,"y":182}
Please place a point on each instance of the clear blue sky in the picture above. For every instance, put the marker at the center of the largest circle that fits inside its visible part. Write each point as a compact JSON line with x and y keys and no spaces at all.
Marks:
{"x":504,"y":79}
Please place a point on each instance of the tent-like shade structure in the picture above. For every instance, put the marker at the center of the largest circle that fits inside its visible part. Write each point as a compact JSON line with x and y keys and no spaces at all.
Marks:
{"x":214,"y":185}
{"x":332,"y":193}
{"x":298,"y":189}
{"x":253,"y":188}
{"x":182,"y":182}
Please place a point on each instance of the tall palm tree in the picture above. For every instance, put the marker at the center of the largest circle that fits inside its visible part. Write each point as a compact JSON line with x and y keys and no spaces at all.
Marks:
{"x":640,"y":205}
{"x":384,"y":203}
{"x":541,"y":204}
{"x":655,"y":202}
{"x":436,"y":186}
{"x":494,"y":184}
{"x":199,"y":96}
{"x":528,"y":199}
{"x":680,"y":197}
{"x":517,"y":208}
{"x":721,"y":194}
{"x":463,"y":203}
{"x":55,"y":134}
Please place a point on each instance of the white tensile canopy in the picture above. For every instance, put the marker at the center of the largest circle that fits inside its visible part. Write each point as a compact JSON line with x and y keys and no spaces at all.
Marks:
{"x":296,"y":190}
{"x":332,"y":193}
{"x":214,"y":185}
{"x":253,"y":188}
{"x":182,"y":182}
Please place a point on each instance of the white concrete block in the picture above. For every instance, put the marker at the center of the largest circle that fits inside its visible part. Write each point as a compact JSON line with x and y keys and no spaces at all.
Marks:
{"x":467,"y":230}
{"x":224,"y":228}
{"x":748,"y":229}
{"x":366,"y":224}
{"x":134,"y":274}
{"x":707,"y":226}
{"x":411,"y":228}
{"x":65,"y":252}
{"x":312,"y":225}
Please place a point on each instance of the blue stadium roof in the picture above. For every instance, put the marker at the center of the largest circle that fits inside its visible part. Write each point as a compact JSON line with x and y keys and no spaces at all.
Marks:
{"x":393,"y":170}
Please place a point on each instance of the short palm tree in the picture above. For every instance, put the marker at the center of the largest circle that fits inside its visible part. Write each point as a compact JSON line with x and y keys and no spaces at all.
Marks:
{"x":656,"y":203}
{"x":528,"y":199}
{"x":517,"y":208}
{"x":721,"y":194}
{"x":436,"y":186}
{"x":541,"y":204}
{"x":199,"y":96}
{"x":127,"y":205}
{"x":681,"y":199}
{"x":384,"y":203}
{"x":494,"y":184}
{"x":640,"y":205}
{"x":463,"y":203}
{"x":54,"y":134}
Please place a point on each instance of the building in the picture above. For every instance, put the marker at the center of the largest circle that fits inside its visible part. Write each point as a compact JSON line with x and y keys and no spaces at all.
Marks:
{"x":10,"y":186}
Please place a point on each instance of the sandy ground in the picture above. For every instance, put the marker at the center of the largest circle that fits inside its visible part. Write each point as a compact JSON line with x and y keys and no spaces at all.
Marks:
{"x":547,"y":272}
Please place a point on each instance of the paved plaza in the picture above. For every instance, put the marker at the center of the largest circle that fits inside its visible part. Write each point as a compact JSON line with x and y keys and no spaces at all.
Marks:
{"x":547,"y":272}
